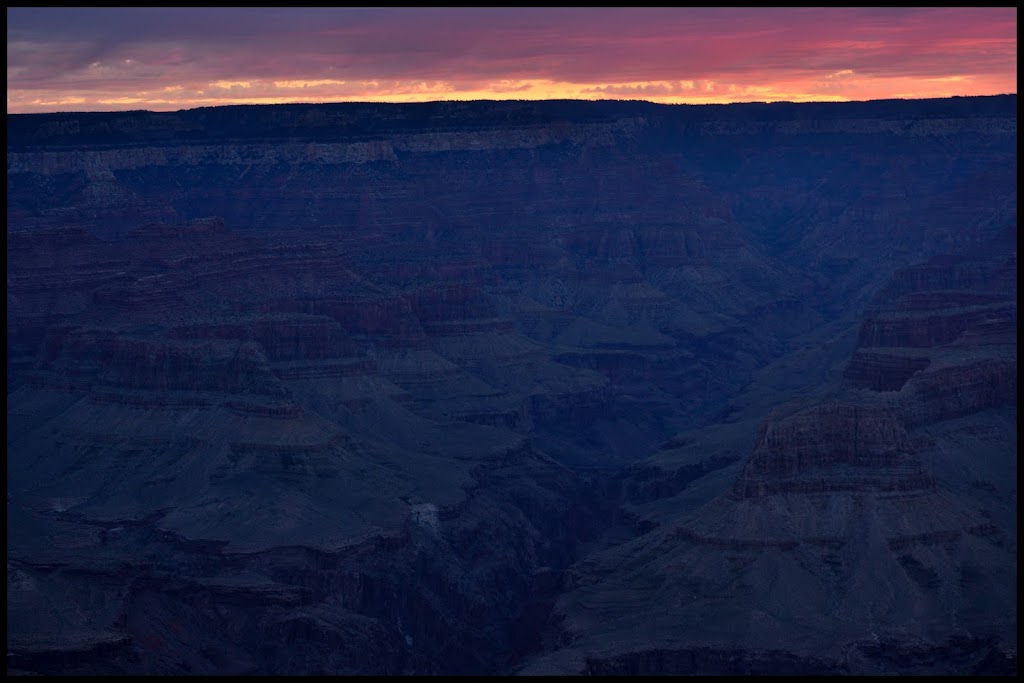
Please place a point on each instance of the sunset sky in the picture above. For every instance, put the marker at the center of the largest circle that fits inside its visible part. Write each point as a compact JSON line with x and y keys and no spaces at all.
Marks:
{"x":163,"y":59}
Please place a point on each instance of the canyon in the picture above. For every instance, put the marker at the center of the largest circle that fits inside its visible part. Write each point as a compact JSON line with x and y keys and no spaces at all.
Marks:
{"x":513,"y":387}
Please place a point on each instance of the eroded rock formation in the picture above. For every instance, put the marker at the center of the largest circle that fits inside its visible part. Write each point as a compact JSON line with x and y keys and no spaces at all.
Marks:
{"x":458,"y":388}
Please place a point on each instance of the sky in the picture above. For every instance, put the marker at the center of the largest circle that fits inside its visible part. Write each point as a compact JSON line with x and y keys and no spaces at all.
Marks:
{"x":164,"y":59}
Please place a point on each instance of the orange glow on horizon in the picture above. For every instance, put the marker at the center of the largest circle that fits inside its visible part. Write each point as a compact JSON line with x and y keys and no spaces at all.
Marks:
{"x":841,"y":86}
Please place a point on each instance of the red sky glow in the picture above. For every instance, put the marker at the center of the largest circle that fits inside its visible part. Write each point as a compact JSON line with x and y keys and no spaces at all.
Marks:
{"x":105,"y":59}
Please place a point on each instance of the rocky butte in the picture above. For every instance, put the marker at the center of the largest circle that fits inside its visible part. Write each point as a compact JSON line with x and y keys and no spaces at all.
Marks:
{"x":513,"y":387}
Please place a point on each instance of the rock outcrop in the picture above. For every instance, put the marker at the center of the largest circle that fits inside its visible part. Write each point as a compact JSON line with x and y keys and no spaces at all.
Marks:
{"x":832,"y":448}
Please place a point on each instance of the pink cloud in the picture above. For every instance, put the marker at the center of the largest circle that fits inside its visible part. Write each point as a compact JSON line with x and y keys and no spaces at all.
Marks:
{"x":97,"y":56}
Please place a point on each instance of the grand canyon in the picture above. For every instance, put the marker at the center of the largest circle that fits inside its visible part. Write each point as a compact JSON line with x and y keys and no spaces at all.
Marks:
{"x":554,"y":387}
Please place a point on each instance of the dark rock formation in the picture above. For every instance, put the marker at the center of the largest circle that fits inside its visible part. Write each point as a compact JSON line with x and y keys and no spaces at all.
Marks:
{"x":832,"y":448}
{"x":457,"y":388}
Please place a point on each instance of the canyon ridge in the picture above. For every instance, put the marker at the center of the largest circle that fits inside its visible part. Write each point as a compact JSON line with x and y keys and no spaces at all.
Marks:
{"x":513,"y":387}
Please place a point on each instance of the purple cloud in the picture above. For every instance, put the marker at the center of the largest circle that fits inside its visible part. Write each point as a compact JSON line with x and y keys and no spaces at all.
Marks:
{"x":90,"y":55}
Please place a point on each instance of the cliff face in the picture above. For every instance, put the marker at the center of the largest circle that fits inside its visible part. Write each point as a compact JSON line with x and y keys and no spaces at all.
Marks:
{"x":830,"y":448}
{"x":363,"y":379}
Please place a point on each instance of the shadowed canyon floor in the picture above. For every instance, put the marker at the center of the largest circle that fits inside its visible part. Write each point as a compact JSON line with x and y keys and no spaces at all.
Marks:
{"x":513,"y":387}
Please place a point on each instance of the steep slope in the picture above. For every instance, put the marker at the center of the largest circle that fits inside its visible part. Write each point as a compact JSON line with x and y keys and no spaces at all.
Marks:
{"x":871,"y":529}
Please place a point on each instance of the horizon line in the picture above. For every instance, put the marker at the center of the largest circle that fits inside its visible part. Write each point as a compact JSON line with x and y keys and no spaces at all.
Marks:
{"x":506,"y":99}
